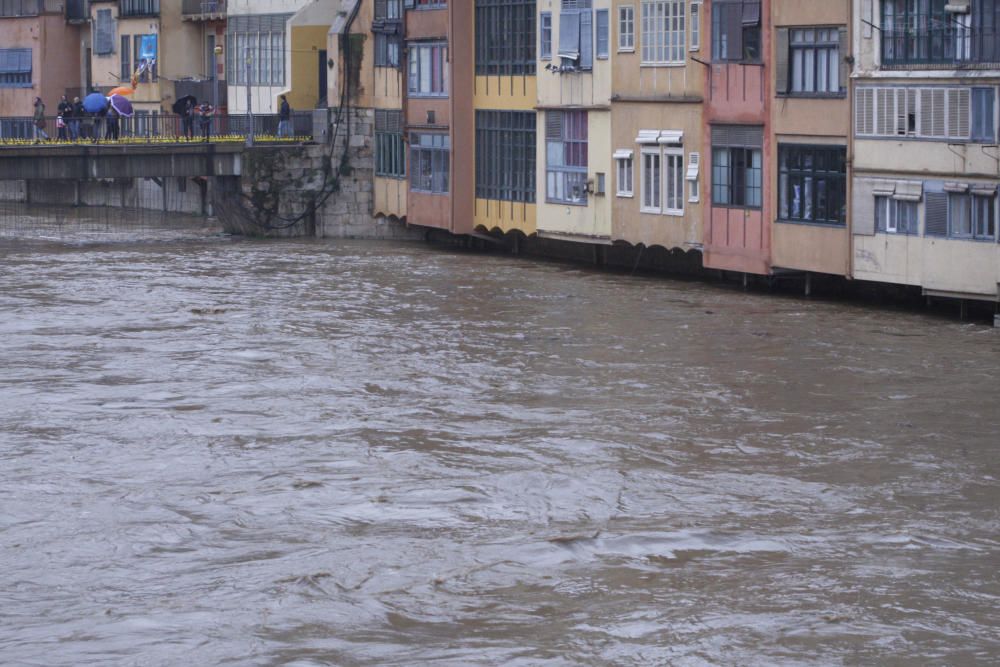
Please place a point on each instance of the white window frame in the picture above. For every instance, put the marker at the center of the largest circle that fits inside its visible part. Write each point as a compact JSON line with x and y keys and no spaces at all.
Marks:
{"x":624,"y":174}
{"x":651,"y":151}
{"x":693,"y":177}
{"x":694,"y":26}
{"x":673,"y":161}
{"x":658,"y":34}
{"x":628,"y":47}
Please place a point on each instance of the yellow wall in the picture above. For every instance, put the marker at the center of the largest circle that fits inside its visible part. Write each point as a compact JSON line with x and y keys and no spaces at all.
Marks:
{"x":505,"y":93}
{"x":307,"y":42}
{"x":390,"y":196}
{"x":594,"y":219}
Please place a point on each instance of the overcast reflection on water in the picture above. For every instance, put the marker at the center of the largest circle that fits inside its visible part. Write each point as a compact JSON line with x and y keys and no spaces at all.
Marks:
{"x":358,"y":453}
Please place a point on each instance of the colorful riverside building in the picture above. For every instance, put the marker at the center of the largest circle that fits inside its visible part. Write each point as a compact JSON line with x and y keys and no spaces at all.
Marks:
{"x":926,"y":161}
{"x":658,"y":82}
{"x":810,"y":122}
{"x":41,"y":55}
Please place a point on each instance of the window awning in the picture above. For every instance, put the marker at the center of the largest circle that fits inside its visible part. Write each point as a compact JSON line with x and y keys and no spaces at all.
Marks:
{"x":956,"y":187}
{"x":882,"y":188}
{"x":958,"y":6}
{"x":622,"y":154}
{"x":984,"y":189}
{"x":694,"y":160}
{"x":672,"y":137}
{"x":15,"y":61}
{"x":751,"y":12}
{"x":908,"y":190}
{"x":648,"y":137}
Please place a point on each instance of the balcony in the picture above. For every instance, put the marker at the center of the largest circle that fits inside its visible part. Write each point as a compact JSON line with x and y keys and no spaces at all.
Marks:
{"x":203,"y":10}
{"x":76,"y":11}
{"x":138,"y":8}
{"x":948,"y":47}
{"x":16,"y":8}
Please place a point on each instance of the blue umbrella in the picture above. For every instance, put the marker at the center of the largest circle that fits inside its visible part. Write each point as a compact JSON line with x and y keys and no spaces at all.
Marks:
{"x":95,"y":102}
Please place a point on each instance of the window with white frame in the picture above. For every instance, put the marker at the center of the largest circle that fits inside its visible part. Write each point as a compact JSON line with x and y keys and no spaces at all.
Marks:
{"x":894,"y":216}
{"x":603,"y":19}
{"x":972,"y":215}
{"x":694,"y":177}
{"x":662,"y":173}
{"x":623,"y":170}
{"x":626,"y":28}
{"x":695,"y":28}
{"x":663,"y":32}
{"x":545,"y":36}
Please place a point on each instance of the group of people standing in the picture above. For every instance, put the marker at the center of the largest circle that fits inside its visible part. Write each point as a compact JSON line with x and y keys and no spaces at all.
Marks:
{"x":107,"y":121}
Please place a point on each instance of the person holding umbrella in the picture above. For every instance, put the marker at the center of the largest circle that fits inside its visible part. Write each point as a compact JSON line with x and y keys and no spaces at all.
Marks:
{"x":187,"y":118}
{"x":112,"y":133}
{"x":96,"y":105}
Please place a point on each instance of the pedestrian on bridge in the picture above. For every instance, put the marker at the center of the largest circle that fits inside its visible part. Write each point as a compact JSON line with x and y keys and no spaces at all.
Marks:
{"x":285,"y":118}
{"x":75,"y":118}
{"x":113,"y":132}
{"x":39,"y":121}
{"x":205,"y":113}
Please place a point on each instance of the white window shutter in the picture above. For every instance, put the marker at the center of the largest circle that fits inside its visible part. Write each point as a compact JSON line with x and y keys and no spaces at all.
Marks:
{"x":958,"y":113}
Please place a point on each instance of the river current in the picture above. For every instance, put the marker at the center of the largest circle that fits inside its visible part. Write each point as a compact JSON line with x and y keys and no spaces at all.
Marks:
{"x":357,"y":453}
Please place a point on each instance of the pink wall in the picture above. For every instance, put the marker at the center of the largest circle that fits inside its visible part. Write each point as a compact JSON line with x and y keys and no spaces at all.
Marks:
{"x":739,"y":239}
{"x":55,"y":61}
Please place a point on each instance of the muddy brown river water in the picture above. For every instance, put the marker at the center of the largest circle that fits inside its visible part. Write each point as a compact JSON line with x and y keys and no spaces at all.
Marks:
{"x":355,"y":453}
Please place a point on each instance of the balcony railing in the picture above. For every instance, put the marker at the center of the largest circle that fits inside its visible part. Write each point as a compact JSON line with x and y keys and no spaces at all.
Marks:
{"x":14,"y":8}
{"x":76,"y":10}
{"x":952,"y":46}
{"x":128,"y":8}
{"x":203,"y":8}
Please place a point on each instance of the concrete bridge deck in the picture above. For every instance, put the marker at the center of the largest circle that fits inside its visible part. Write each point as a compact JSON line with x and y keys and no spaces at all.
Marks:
{"x":131,"y":160}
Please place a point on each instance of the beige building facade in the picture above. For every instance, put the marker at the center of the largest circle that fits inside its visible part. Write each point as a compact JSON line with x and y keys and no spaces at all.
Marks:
{"x":926,"y":162}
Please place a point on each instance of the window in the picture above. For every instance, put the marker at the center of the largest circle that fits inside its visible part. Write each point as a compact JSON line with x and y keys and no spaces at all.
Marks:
{"x":931,"y":113}
{"x":663,"y":34}
{"x":139,"y":8}
{"x":626,"y":28}
{"x":651,"y":180}
{"x":814,"y":63}
{"x":894,"y":216}
{"x":663,"y":175}
{"x":623,"y":171}
{"x":812,"y":184}
{"x":428,"y":70}
{"x":545,"y":35}
{"x":125,"y":58}
{"x":505,"y":37}
{"x":389,"y":152}
{"x":140,"y":46}
{"x":576,"y":35}
{"x":259,"y":38}
{"x":695,"y":29}
{"x":429,"y":4}
{"x":15,"y":68}
{"x":429,"y":163}
{"x":693,"y":177}
{"x":386,"y":50}
{"x":566,"y":157}
{"x":602,"y":33}
{"x":736,"y":30}
{"x":972,"y":216}
{"x":505,"y":155}
{"x":939,"y":32}
{"x":388,"y":10}
{"x":736,"y":165}
{"x":104,"y":33}
{"x":11,"y":8}
{"x":983,"y":123}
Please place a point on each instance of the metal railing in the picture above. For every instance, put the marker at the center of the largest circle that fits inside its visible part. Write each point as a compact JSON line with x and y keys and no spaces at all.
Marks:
{"x":950,"y":45}
{"x":155,"y":128}
{"x":139,"y":7}
{"x":203,"y":7}
{"x":76,"y":10}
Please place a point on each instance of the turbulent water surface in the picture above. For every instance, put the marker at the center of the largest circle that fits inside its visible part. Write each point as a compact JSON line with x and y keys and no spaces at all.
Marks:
{"x":248,"y":453}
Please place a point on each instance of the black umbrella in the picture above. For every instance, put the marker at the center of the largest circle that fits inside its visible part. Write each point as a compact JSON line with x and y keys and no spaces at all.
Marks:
{"x":181,"y":104}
